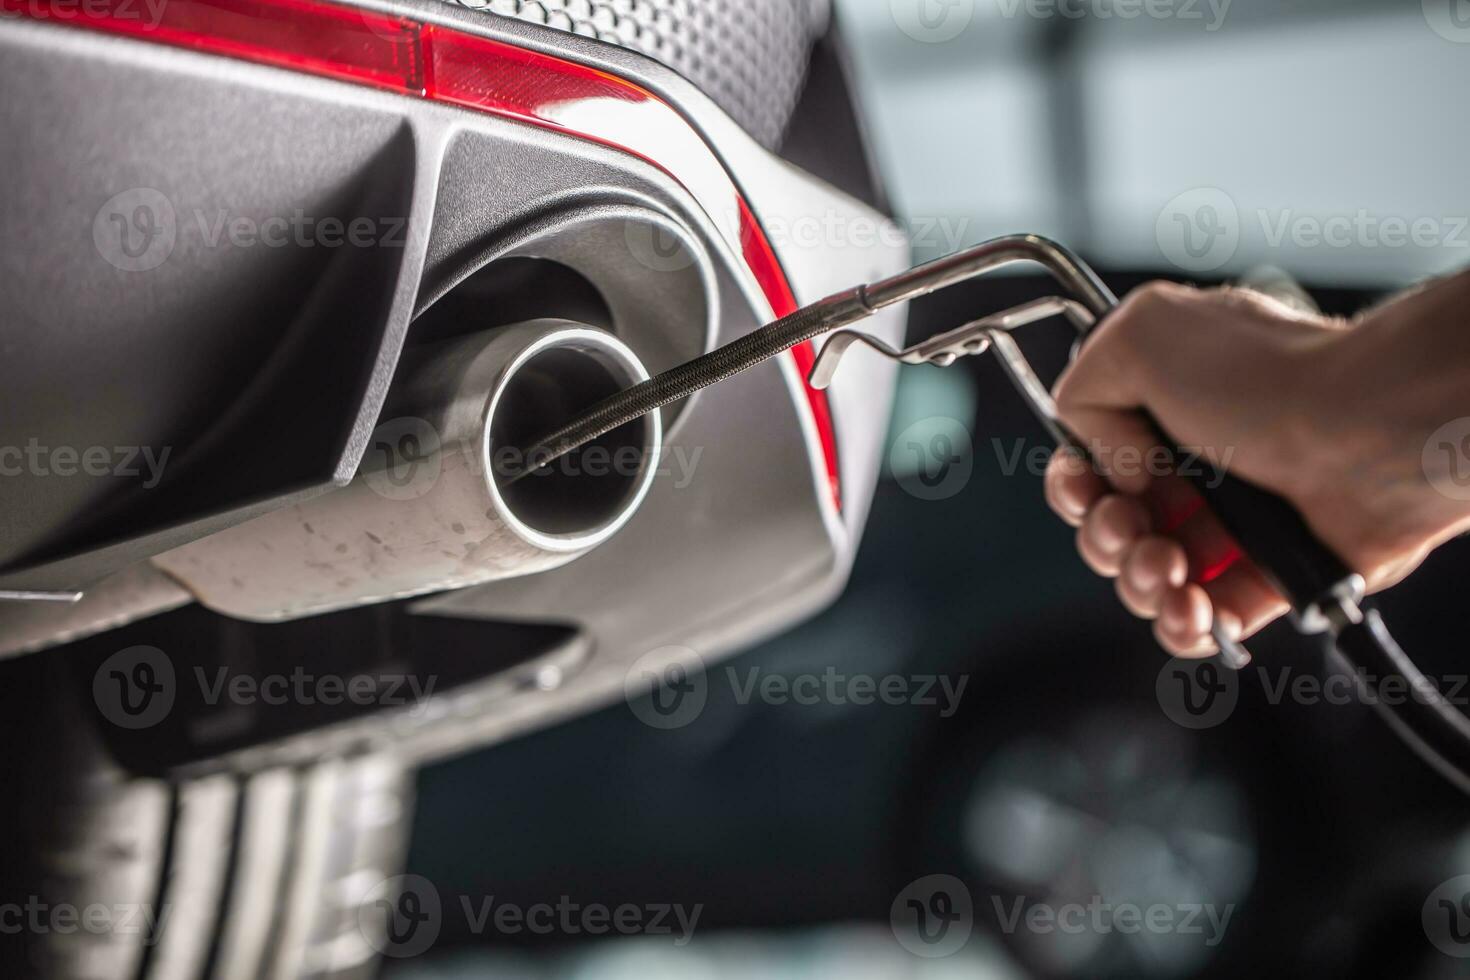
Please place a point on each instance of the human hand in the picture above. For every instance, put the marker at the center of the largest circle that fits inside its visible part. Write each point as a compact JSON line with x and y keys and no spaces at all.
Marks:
{"x":1331,"y":416}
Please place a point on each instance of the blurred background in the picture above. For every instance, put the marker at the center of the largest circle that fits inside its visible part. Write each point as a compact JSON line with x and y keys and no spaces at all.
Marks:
{"x":1084,"y":119}
{"x":1180,"y":139}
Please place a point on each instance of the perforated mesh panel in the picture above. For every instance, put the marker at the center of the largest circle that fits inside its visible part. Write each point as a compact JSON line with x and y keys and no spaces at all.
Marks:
{"x":750,"y":56}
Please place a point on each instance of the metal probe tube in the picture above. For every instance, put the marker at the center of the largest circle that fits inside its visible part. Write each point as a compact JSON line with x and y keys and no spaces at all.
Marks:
{"x":840,"y":310}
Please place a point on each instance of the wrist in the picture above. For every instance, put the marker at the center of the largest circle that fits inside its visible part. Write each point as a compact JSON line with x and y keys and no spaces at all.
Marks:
{"x":1373,"y":477}
{"x":1318,"y":443}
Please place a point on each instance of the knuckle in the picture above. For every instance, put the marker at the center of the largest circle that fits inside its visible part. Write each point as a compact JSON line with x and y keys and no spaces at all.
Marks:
{"x":1149,"y":302}
{"x":1127,"y":328}
{"x":1065,"y":393}
{"x":1066,"y":464}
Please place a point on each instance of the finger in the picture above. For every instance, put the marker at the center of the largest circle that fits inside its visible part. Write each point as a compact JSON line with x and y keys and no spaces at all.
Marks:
{"x":1212,"y":551}
{"x":1392,"y":573}
{"x":1123,"y":445}
{"x":1151,"y":567}
{"x":1109,"y":531}
{"x":1100,"y":395}
{"x":1172,"y":501}
{"x":1207,"y":647}
{"x":1244,"y":595}
{"x":1108,"y":372}
{"x":1072,"y":486}
{"x":1183,"y":626}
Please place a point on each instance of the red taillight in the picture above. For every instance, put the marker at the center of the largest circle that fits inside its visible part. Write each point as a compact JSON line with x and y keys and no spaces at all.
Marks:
{"x":762,"y":261}
{"x":323,"y":39}
{"x":492,"y":76}
{"x":458,"y":68}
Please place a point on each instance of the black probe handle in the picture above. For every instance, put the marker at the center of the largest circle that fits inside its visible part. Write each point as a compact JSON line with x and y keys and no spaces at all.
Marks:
{"x":1270,"y":531}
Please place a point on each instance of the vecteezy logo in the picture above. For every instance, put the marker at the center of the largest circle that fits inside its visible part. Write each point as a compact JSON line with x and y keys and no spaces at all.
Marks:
{"x":1199,"y":230}
{"x":1450,"y":19}
{"x":933,"y":459}
{"x":1197,"y":694}
{"x":933,"y":917}
{"x":401,"y":916}
{"x":932,"y":21}
{"x":1446,"y":459}
{"x":135,"y":231}
{"x":656,"y":247}
{"x":403,"y":459}
{"x":1446,"y":917}
{"x":679,"y":687}
{"x":134,"y":688}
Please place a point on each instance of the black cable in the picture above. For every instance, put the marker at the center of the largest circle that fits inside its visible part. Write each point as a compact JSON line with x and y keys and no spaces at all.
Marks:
{"x":1408,"y":701}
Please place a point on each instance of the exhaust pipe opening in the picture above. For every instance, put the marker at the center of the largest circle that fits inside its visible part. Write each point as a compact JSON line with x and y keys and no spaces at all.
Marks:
{"x":585,"y":497}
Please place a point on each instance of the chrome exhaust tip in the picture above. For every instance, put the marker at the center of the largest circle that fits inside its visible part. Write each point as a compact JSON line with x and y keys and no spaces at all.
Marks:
{"x":579,"y":502}
{"x":435,"y":504}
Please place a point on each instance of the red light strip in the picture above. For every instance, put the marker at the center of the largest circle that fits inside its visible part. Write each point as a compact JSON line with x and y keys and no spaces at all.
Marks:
{"x":321,"y":39}
{"x":451,"y":66}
